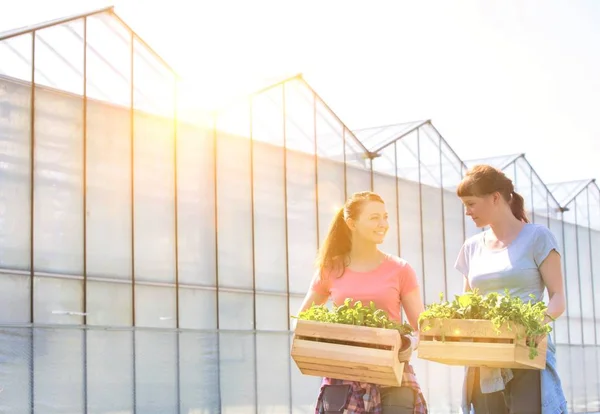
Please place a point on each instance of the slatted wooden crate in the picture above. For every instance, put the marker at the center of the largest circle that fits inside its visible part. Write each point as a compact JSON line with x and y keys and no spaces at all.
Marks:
{"x":356,"y":353}
{"x":476,"y":343}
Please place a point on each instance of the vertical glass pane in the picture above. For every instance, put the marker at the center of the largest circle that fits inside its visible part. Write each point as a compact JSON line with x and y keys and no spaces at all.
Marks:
{"x":108,"y":156}
{"x":234,"y":205}
{"x":331,"y":170}
{"x":236,"y":311}
{"x":594,"y":206}
{"x":410,"y":203}
{"x":15,"y":354}
{"x":108,"y":61}
{"x":270,"y":257}
{"x":15,"y":55}
{"x":237,"y":364}
{"x":15,"y":147}
{"x":273,"y":379}
{"x":585,"y":270}
{"x":271,"y":312}
{"x":302,"y":209}
{"x":154,"y":204}
{"x":540,"y":201}
{"x":155,"y":306}
{"x":560,"y":328}
{"x":199,"y":372}
{"x":156,"y":370}
{"x":109,"y":371}
{"x":58,"y":350}
{"x":302,"y":219}
{"x":58,"y":301}
{"x":453,"y":218}
{"x":434,"y":281}
{"x":384,"y":184}
{"x":197,"y":308}
{"x":58,"y":170}
{"x":572,"y":277}
{"x":14,"y":298}
{"x":196,"y":205}
{"x":109,"y":303}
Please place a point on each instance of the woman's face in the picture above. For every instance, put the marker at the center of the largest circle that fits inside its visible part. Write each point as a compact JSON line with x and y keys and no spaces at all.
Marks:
{"x":372,"y":223}
{"x":481,"y":209}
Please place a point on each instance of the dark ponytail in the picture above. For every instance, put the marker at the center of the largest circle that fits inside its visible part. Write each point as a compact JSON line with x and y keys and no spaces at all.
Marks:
{"x":517,"y":206}
{"x":334,"y":252}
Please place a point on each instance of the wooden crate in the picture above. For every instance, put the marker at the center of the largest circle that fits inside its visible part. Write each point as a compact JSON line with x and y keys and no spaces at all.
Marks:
{"x":476,"y":343}
{"x":355,"y":353}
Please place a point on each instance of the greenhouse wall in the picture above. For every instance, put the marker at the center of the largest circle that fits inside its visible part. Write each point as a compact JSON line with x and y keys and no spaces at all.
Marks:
{"x":153,"y":264}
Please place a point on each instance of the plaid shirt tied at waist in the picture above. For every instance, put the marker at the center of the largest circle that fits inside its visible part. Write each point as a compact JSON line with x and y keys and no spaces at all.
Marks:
{"x":365,"y":398}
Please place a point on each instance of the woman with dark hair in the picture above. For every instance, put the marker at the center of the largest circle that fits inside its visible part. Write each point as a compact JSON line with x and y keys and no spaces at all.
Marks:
{"x":350,"y":265}
{"x":522,"y":257}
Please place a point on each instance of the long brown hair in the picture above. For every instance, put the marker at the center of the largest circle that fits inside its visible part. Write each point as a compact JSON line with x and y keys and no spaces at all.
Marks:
{"x":482,"y":180}
{"x":333,"y":253}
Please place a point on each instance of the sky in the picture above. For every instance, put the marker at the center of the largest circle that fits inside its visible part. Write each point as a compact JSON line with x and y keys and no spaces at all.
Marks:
{"x":494,"y":77}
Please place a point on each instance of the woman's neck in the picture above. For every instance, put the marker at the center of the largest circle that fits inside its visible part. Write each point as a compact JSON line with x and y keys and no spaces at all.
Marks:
{"x":364,"y":252}
{"x":507,"y":228}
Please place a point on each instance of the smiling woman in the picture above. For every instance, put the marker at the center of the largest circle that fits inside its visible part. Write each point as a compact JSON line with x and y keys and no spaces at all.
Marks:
{"x":351,"y":265}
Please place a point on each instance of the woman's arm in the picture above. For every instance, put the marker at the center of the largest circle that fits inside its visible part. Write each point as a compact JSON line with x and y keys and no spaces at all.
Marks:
{"x":413,"y":307}
{"x":312,"y":297}
{"x":551,"y":271}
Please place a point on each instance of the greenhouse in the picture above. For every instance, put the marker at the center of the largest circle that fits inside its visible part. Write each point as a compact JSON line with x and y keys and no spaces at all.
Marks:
{"x":156,"y":259}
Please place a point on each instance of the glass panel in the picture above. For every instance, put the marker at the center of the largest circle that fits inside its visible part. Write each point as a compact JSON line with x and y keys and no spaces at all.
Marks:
{"x":14,"y":298}
{"x":358,"y":167}
{"x":155,"y":306}
{"x":156,"y":370}
{"x":15,"y":354}
{"x":15,"y":136}
{"x":454,"y":230}
{"x":110,"y":371}
{"x":234,"y":202}
{"x":109,"y":61}
{"x":114,"y":312}
{"x":585,"y":272}
{"x":299,"y":118}
{"x":540,"y":202}
{"x":58,"y":301}
{"x":434,"y":279}
{"x":236,"y":310}
{"x":384,"y":183}
{"x":410,"y":204}
{"x":330,"y":133}
{"x":109,"y":152}
{"x":379,"y":137}
{"x":302,"y":219}
{"x":237,"y":372}
{"x":197,"y":308}
{"x":560,"y":327}
{"x":594,"y":206}
{"x":270,"y":249}
{"x":196,"y":205}
{"x":199,"y":372}
{"x":271,"y":312}
{"x":272,"y":369}
{"x":154,"y":204}
{"x":58,"y":175}
{"x":60,"y":48}
{"x":58,"y":350}
{"x":572,"y":282}
{"x":15,"y":58}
